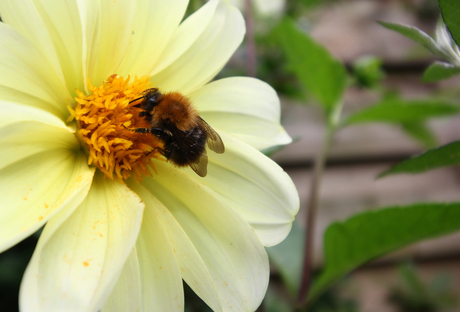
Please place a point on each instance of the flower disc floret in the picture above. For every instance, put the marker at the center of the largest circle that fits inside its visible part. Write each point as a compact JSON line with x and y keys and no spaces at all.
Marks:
{"x":105,"y":120}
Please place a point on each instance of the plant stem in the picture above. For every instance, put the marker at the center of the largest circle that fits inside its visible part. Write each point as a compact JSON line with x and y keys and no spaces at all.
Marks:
{"x":250,"y":43}
{"x":312,"y":207}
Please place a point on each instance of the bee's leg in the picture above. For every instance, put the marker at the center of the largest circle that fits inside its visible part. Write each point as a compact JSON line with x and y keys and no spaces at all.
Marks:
{"x":138,"y":130}
{"x":159,"y":150}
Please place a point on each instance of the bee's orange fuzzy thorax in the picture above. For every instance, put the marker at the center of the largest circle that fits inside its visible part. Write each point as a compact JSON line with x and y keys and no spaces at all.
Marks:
{"x":178,"y":109}
{"x":104,"y":118}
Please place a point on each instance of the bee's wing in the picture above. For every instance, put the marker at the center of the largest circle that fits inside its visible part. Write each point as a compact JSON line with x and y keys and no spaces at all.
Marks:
{"x":201,"y":167}
{"x":214,"y":141}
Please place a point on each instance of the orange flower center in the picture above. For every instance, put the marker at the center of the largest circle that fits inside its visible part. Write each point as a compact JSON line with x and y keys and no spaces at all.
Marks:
{"x":103,"y":120}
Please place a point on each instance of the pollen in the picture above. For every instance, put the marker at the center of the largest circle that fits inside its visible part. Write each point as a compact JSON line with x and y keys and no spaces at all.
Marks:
{"x":104,"y":119}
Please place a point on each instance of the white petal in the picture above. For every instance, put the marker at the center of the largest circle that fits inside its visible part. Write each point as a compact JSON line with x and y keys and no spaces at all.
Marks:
{"x":27,"y":77}
{"x":127,"y":294}
{"x":204,"y":230}
{"x":39,"y":174}
{"x":26,"y":17}
{"x":155,"y":22}
{"x":185,"y":35}
{"x":246,"y":107}
{"x":111,"y":38}
{"x":208,"y":53}
{"x":78,"y":259}
{"x":89,"y":12}
{"x":255,"y":186}
{"x":158,"y":273}
{"x":63,"y":23}
{"x":54,"y":27}
{"x":13,"y":112}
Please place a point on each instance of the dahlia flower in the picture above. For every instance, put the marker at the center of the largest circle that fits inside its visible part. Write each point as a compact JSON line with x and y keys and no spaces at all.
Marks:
{"x":123,"y":227}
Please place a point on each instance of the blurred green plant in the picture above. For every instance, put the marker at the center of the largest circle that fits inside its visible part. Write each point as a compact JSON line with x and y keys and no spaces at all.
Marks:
{"x":368,"y":72}
{"x":413,"y":295}
{"x":369,"y":235}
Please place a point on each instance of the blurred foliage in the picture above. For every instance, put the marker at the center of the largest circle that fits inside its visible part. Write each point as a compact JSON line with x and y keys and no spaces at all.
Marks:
{"x":13,"y":263}
{"x":320,"y":73}
{"x":444,"y":156}
{"x":368,"y":72}
{"x":450,"y":10}
{"x":440,"y":71}
{"x":413,"y":295}
{"x":371,"y":234}
{"x":287,"y":257}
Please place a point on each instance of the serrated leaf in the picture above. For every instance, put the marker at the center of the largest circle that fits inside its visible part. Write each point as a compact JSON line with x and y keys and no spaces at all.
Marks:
{"x":444,"y":156}
{"x":372,"y":234}
{"x":450,"y":10}
{"x":439,"y":71}
{"x":323,"y":75}
{"x":395,"y":110}
{"x":418,"y":36}
{"x":421,"y":133}
{"x":287,"y":257}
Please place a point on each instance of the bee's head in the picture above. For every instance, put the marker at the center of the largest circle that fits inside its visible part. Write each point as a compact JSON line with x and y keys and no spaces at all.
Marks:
{"x":152,"y":99}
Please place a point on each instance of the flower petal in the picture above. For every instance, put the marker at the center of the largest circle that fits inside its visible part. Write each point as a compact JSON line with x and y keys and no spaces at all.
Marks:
{"x":185,"y":35}
{"x":11,"y":112}
{"x":27,"y":77}
{"x":79,"y":258}
{"x":111,"y":36}
{"x":158,"y":272}
{"x":26,"y":17}
{"x":55,"y":29}
{"x":39,"y":174}
{"x":153,"y":27}
{"x":255,"y":186}
{"x":208,"y":53}
{"x":246,"y":107}
{"x":208,"y":235}
{"x":127,"y":294}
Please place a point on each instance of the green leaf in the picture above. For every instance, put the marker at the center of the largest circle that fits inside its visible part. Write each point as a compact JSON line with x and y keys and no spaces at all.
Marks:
{"x":421,"y":133}
{"x":396,"y":110}
{"x":450,"y":10}
{"x":372,"y":234}
{"x":439,"y":71}
{"x":287,"y":257}
{"x":276,"y":301}
{"x":418,"y":36}
{"x":368,"y":71}
{"x":324,"y":76}
{"x":446,"y":155}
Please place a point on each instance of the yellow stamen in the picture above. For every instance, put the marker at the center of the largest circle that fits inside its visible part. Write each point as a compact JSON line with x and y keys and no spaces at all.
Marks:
{"x":101,"y":119}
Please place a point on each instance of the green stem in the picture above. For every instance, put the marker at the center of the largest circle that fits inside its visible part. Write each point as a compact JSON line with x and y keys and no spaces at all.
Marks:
{"x":312,"y":207}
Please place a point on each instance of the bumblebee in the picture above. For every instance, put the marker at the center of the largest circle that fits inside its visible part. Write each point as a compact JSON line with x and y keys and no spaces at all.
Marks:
{"x":175,"y":122}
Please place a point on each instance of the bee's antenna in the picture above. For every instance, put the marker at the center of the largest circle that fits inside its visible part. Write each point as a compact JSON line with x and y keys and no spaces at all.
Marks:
{"x":136,"y":99}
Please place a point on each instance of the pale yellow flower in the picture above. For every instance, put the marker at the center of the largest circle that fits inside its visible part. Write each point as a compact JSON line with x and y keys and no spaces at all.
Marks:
{"x":124,"y":245}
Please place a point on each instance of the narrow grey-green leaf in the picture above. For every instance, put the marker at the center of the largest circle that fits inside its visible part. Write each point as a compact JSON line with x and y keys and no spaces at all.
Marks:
{"x":439,"y":71}
{"x":395,"y":110}
{"x":323,"y":75}
{"x":444,"y":156}
{"x":287,"y":257}
{"x":450,"y":10}
{"x":421,"y":133}
{"x":418,"y":36}
{"x":372,"y":234}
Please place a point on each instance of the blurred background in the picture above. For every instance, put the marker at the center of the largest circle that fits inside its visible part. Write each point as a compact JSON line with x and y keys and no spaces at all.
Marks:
{"x":422,"y":277}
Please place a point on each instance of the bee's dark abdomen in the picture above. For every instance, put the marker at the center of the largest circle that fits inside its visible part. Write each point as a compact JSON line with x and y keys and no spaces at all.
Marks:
{"x":187,"y":148}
